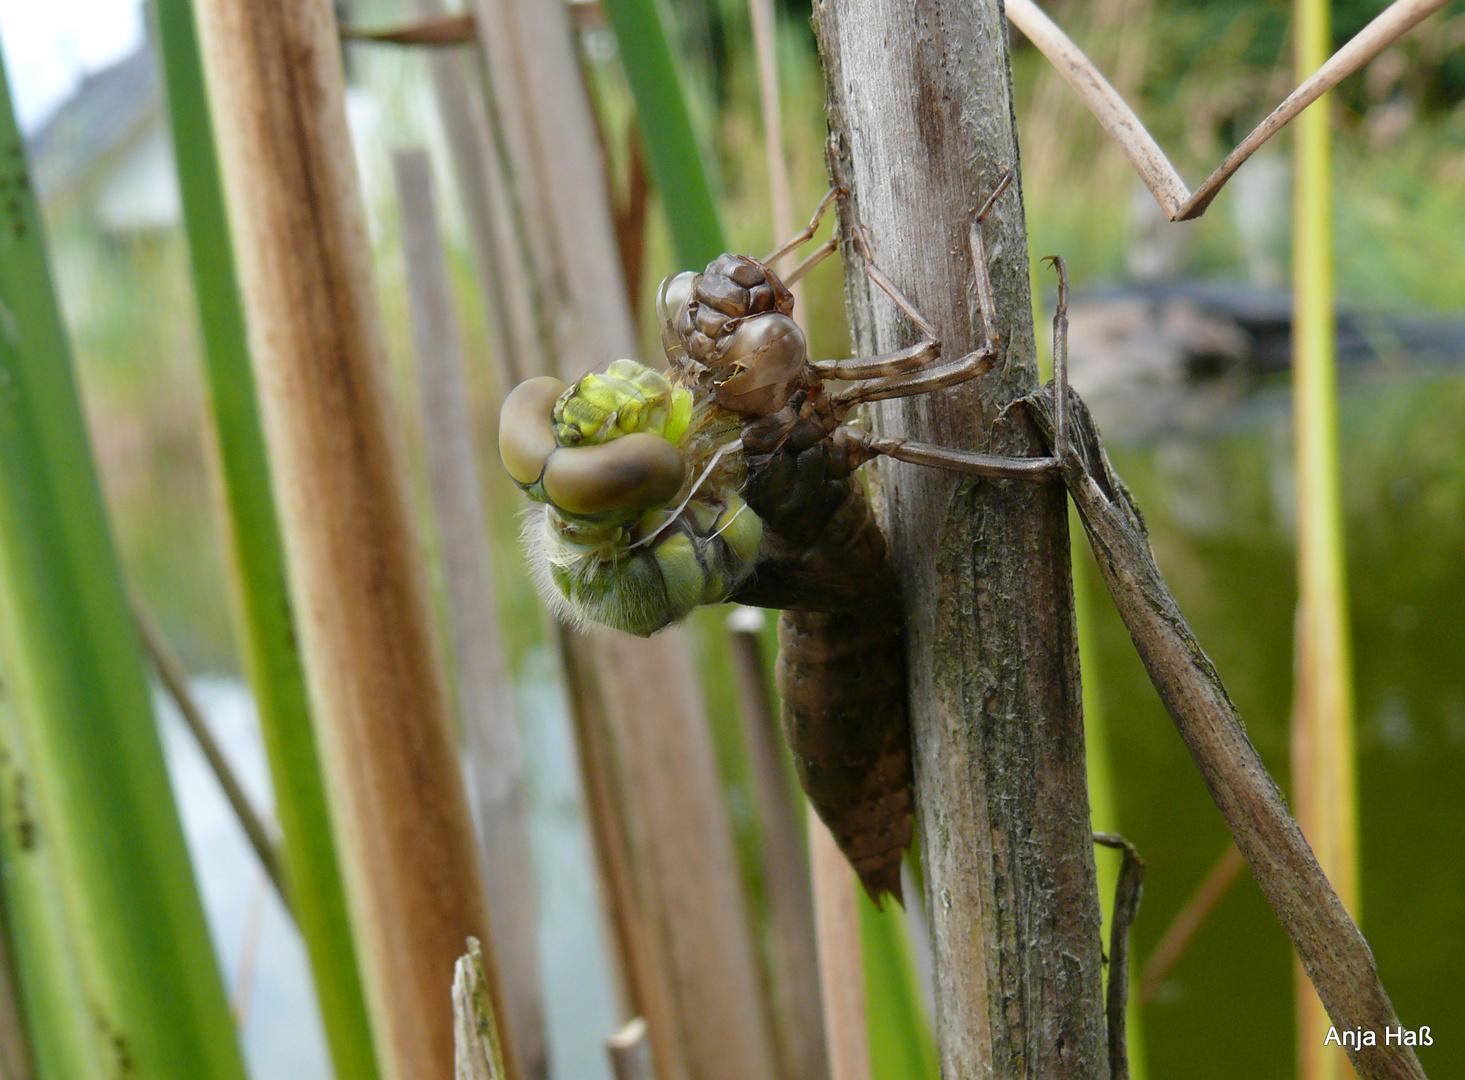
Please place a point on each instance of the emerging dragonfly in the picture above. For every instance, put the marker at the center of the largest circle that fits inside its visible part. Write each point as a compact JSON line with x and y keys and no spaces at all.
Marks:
{"x":730,"y":477}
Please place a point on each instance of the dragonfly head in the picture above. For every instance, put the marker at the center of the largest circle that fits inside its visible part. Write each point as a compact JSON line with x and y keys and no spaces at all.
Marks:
{"x":603,"y":450}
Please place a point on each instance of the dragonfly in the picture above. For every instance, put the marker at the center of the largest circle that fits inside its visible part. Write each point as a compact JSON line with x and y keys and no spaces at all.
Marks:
{"x":731,"y":476}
